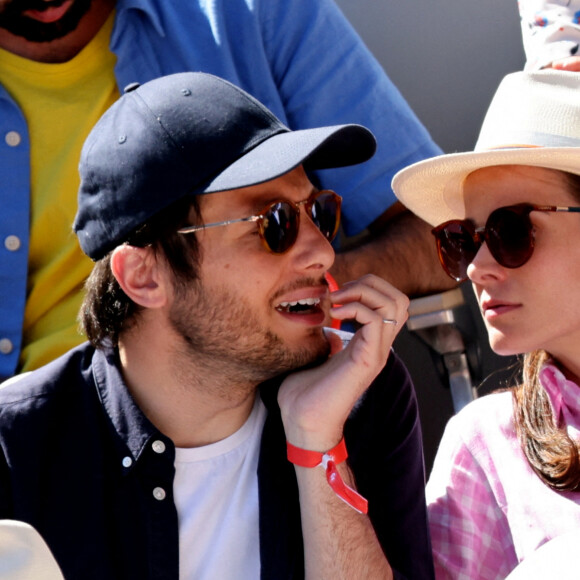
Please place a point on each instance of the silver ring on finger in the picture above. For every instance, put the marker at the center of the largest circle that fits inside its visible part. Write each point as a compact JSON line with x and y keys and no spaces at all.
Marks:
{"x":390,"y":321}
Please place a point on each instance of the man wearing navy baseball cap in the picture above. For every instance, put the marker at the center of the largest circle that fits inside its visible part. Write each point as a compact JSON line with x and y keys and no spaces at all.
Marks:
{"x":203,"y":430}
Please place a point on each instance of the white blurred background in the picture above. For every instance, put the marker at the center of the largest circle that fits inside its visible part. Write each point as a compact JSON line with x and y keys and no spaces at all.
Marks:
{"x":446,"y":56}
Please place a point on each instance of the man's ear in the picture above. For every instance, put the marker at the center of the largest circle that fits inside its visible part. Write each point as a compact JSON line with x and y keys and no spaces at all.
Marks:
{"x":140,"y":276}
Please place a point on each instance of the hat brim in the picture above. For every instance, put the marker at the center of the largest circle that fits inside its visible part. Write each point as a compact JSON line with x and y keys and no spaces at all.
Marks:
{"x":433,"y":188}
{"x":320,"y":148}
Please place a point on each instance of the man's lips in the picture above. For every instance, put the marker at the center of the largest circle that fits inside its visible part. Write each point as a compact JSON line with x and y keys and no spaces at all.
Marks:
{"x":319,"y":291}
{"x":49,"y":14}
{"x":304,"y":303}
{"x":307,"y":301}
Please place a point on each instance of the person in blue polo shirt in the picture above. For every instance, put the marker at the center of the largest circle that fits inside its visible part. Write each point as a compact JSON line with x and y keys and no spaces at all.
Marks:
{"x":63,"y":63}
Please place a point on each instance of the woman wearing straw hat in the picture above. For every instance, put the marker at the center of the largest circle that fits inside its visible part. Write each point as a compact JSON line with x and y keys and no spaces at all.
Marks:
{"x":506,"y":479}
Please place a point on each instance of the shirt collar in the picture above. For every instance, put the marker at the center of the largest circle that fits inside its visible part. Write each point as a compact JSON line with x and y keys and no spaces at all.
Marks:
{"x":146,"y":6}
{"x":131,"y":425}
{"x":134,"y":429}
{"x":564,"y":397}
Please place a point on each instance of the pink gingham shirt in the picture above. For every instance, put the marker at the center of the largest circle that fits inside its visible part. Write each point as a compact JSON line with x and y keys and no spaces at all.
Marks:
{"x":488,"y":510}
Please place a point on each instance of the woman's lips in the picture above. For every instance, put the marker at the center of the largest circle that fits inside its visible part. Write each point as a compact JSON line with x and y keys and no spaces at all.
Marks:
{"x":493,"y":309}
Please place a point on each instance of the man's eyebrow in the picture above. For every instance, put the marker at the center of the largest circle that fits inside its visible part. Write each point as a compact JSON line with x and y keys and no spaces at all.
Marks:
{"x":279,"y":196}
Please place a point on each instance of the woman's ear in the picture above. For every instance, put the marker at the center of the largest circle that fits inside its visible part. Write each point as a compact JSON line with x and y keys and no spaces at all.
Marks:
{"x":140,"y":276}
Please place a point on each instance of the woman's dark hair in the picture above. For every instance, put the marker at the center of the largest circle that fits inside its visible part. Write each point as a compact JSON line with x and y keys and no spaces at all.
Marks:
{"x":106,"y":310}
{"x":550,"y":451}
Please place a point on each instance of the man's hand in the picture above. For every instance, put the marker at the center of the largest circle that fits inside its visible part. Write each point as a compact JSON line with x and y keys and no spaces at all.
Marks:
{"x":340,"y":543}
{"x":315,"y":403}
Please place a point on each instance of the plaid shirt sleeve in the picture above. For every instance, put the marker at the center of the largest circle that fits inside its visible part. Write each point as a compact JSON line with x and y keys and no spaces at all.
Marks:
{"x":470,"y":534}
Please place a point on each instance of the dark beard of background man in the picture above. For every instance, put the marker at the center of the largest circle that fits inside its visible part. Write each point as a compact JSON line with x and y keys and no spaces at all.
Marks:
{"x":13,"y":20}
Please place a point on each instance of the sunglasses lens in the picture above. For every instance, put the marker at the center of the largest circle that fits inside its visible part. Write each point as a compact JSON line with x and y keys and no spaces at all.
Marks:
{"x":509,"y":237}
{"x":325,"y":213}
{"x":279,"y":227}
{"x":456,"y":248}
{"x":279,"y":224}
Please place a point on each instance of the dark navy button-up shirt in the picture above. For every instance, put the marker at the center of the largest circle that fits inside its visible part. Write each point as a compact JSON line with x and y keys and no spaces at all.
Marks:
{"x":81,"y":463}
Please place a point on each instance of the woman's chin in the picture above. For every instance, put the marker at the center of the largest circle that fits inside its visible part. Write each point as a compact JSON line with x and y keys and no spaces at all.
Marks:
{"x":503,"y":346}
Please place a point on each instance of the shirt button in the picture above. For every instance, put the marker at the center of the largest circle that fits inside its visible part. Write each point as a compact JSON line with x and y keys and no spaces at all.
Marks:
{"x":158,"y":446}
{"x":6,"y":346}
{"x":13,"y":138}
{"x":159,"y":493}
{"x":12,"y":243}
{"x":127,"y":462}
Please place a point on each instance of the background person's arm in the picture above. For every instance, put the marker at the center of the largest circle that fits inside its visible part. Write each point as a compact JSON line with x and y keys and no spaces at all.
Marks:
{"x":400,"y":249}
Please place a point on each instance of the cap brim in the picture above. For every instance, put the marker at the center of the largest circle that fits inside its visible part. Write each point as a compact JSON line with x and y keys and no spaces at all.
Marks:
{"x":320,"y":148}
{"x":433,"y":188}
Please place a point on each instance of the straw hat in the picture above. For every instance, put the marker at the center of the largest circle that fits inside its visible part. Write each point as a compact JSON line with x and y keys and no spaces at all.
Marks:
{"x":533,"y":119}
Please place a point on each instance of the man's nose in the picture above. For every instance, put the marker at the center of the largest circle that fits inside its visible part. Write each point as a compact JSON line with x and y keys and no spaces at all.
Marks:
{"x":312,"y":249}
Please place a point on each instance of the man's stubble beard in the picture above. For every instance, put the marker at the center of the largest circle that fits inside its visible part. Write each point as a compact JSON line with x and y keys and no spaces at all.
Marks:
{"x":221,"y":336}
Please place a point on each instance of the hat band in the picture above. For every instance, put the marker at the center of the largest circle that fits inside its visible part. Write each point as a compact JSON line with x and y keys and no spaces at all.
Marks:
{"x":531,"y":139}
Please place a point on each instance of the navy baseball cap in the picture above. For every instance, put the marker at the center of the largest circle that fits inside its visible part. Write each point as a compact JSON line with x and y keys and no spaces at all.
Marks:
{"x":189,"y":134}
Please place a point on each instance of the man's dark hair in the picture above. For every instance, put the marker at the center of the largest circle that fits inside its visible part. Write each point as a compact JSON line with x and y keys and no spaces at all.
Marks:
{"x":106,"y":310}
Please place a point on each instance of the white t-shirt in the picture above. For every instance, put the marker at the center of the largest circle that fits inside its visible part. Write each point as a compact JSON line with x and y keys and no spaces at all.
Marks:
{"x":216,"y":495}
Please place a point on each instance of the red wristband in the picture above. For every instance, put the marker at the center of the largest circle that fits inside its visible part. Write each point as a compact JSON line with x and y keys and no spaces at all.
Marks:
{"x":329,"y":461}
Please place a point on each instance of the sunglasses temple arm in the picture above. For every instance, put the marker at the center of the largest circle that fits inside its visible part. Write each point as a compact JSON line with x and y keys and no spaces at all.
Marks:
{"x":192,"y":229}
{"x":557,"y":208}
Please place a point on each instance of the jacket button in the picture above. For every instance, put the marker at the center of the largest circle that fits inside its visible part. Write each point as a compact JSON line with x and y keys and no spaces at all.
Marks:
{"x":6,"y":346}
{"x":12,"y":243}
{"x":158,"y":446}
{"x":13,"y":138}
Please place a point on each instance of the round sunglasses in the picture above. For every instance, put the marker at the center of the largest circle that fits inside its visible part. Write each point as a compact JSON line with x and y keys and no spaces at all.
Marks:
{"x":278,"y":223}
{"x":508,"y":233}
